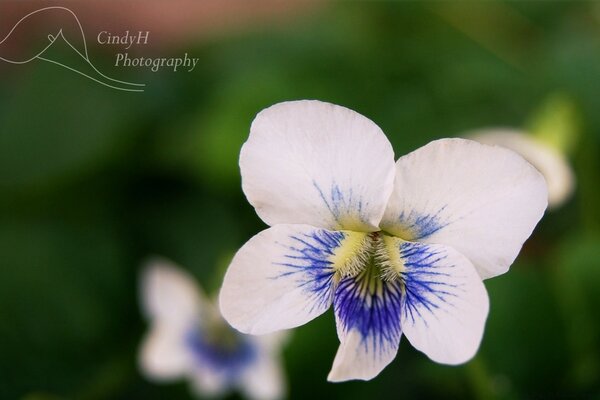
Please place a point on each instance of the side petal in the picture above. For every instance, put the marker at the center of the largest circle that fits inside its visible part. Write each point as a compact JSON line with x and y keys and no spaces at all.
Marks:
{"x":445,"y":303}
{"x":367,"y":311}
{"x":553,"y":165}
{"x":163,"y":355}
{"x":169,"y":294}
{"x":484,"y":201}
{"x":310,"y":162}
{"x":280,"y":279}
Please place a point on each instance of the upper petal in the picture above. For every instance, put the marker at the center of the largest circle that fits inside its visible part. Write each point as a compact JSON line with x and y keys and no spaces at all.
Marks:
{"x":367,"y":312}
{"x":552,"y":164}
{"x":310,"y":162}
{"x":484,"y":201}
{"x":445,"y":303}
{"x":170,"y":294}
{"x":280,"y":279}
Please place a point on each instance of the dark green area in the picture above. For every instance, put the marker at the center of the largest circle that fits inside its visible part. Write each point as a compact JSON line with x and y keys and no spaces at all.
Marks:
{"x":93,"y":181}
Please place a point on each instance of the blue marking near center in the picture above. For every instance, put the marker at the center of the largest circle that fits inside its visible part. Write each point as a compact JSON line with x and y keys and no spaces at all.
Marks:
{"x":372,"y":307}
{"x":227,"y":360}
{"x":422,"y":225}
{"x":307,"y":260}
{"x":341,"y":203}
{"x":427,"y":281}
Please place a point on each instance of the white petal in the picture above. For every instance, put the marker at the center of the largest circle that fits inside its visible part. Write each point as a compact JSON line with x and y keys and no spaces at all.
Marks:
{"x":280,"y":279}
{"x":209,"y":383}
{"x":484,"y":201}
{"x":309,"y":162}
{"x":169,"y":293}
{"x":553,"y":165}
{"x":263,"y":379}
{"x":367,"y":312}
{"x":445,"y":304}
{"x":273,"y":342}
{"x":163,"y":355}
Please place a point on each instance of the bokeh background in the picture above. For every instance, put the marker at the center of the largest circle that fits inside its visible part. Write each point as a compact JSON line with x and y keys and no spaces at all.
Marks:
{"x":94,"y":180}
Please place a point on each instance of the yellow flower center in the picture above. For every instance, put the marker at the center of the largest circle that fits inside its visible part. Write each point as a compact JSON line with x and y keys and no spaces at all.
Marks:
{"x":358,"y":251}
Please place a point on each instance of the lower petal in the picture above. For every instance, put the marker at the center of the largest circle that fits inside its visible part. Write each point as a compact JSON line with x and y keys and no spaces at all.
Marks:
{"x":209,"y":383}
{"x":445,"y":303}
{"x":367,"y":312}
{"x":264,"y":379}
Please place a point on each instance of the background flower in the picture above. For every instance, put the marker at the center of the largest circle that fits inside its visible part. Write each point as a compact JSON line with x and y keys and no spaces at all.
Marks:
{"x":189,"y":339}
{"x":550,"y":162}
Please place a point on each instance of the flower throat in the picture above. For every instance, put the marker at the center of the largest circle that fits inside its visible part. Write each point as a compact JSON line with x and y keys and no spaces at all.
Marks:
{"x":376,"y":252}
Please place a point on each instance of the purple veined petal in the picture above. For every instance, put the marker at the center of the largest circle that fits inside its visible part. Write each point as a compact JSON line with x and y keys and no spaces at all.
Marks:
{"x":284,"y":277}
{"x":483,"y":201}
{"x":444,"y":303}
{"x":367,"y":311}
{"x":316,"y":163}
{"x":430,"y":293}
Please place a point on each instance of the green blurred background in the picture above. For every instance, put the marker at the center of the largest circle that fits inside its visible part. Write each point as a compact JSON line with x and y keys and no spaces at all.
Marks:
{"x":93,"y":180}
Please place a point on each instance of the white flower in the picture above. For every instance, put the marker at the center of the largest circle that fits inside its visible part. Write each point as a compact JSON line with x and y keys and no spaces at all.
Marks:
{"x":188,"y":338}
{"x":550,"y":162}
{"x":397,"y":249}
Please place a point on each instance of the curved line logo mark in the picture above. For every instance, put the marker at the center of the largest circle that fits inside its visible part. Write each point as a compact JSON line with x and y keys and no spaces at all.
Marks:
{"x":53,"y":38}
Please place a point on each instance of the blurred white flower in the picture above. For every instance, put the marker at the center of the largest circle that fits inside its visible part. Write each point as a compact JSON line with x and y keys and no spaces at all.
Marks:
{"x":551,"y":163}
{"x":189,"y":339}
{"x":396,"y":248}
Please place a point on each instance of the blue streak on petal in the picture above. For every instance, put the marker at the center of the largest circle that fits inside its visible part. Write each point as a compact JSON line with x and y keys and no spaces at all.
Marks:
{"x":341,"y":203}
{"x":427,"y":287}
{"x":225,"y":359}
{"x":307,"y":261}
{"x":422,"y":225}
{"x":372,"y":307}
